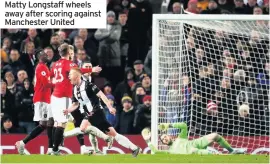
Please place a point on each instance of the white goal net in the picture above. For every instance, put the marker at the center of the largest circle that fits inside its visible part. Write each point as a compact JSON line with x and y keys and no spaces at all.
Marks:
{"x":212,"y":72}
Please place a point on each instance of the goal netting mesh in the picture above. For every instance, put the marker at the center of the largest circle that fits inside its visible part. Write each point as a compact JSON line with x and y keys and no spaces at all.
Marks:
{"x":214,"y":75}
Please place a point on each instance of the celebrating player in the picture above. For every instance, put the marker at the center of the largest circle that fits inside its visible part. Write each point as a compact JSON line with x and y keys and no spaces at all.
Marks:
{"x":62,"y":93}
{"x":181,"y":145}
{"x":79,"y":133}
{"x":41,"y":101}
{"x":87,"y":96}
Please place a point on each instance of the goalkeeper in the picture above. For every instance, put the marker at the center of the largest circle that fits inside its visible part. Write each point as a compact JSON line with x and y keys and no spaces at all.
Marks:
{"x":181,"y":145}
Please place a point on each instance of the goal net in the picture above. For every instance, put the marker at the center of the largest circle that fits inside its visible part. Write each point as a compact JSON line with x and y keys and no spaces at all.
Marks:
{"x":212,"y":72}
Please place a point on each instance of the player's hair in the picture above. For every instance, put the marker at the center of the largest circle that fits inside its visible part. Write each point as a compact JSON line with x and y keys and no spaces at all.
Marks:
{"x":63,"y":49}
{"x":71,"y":47}
{"x":76,"y":69}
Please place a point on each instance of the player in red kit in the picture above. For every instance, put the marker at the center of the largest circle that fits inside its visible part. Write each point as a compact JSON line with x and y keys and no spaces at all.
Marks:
{"x":62,"y":93}
{"x":41,"y":102}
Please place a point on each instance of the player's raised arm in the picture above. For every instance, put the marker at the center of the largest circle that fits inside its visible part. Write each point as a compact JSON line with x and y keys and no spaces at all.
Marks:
{"x":182,"y":126}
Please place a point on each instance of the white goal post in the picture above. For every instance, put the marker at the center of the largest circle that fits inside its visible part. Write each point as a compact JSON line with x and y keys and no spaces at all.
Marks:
{"x":212,"y":72}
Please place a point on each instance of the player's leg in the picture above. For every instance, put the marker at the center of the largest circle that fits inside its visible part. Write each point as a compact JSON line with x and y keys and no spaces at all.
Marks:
{"x":50,"y":128}
{"x":99,"y":120}
{"x":214,"y":137}
{"x":40,"y":115}
{"x":58,"y":105}
{"x":78,"y":117}
{"x":124,"y":141}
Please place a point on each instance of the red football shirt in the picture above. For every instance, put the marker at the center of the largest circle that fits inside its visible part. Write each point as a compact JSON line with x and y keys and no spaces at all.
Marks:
{"x":60,"y":71}
{"x":43,"y":84}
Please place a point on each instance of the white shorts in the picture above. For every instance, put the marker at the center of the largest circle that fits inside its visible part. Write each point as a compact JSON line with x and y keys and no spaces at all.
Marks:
{"x":42,"y":111}
{"x":58,"y":105}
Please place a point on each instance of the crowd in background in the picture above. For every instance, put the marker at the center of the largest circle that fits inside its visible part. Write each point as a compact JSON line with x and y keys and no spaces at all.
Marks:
{"x":123,"y":50}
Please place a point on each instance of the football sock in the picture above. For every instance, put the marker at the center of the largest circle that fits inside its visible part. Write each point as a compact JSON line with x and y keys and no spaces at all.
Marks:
{"x":124,"y":141}
{"x":223,"y":143}
{"x":35,"y":132}
{"x":95,"y":131}
{"x":58,"y":138}
{"x":94,"y":142}
{"x":53,"y":132}
{"x":50,"y":136}
{"x":73,"y":132}
{"x":80,"y":139}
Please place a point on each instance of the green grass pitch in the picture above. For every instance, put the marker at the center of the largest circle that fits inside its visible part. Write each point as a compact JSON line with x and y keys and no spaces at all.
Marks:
{"x":127,"y":158}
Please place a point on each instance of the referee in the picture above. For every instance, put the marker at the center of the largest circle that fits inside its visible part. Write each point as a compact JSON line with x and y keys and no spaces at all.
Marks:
{"x":86,"y":96}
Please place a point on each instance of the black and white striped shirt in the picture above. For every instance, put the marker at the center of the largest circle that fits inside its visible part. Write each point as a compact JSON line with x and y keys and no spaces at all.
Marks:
{"x":86,"y":95}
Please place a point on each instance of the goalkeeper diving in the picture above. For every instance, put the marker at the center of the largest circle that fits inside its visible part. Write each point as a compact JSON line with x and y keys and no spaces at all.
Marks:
{"x":181,"y":145}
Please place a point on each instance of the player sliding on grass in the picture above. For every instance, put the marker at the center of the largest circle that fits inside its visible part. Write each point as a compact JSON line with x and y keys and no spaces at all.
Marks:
{"x":181,"y":145}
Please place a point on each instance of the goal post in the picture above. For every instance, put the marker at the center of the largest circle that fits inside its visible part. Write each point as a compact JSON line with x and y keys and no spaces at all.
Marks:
{"x":210,"y":71}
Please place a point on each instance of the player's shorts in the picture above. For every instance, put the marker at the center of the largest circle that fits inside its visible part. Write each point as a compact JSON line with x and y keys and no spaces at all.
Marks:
{"x":58,"y":105}
{"x":42,"y":111}
{"x":78,"y":117}
{"x":98,"y":119}
{"x":200,"y":143}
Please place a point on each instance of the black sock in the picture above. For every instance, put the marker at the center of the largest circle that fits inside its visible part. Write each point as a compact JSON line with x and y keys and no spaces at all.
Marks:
{"x":80,"y":139}
{"x":53,"y":131}
{"x":35,"y":132}
{"x":58,"y":137}
{"x":50,"y":136}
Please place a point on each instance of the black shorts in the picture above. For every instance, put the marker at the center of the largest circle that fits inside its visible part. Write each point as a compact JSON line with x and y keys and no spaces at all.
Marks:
{"x":78,"y":117}
{"x":98,"y":119}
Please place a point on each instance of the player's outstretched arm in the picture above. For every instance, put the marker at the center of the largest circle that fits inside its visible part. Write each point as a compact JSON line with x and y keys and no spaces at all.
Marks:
{"x":146,"y":134}
{"x":101,"y":95}
{"x":95,"y":69}
{"x":182,"y":126}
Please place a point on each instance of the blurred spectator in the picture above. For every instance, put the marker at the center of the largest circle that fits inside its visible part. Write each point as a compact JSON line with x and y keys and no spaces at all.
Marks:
{"x":80,"y":57}
{"x":11,"y":85}
{"x":125,"y":86}
{"x":7,"y":101}
{"x":250,"y":6}
{"x":139,"y":24}
{"x":212,"y":8}
{"x":202,"y":5}
{"x":32,"y":37}
{"x":109,"y":50}
{"x":107,"y":88}
{"x":239,"y":7}
{"x":21,"y":75}
{"x":257,"y":10}
{"x":148,"y":62}
{"x":88,"y":76}
{"x":62,"y":37}
{"x":7,"y":45}
{"x":138,"y":94}
{"x":125,"y":4}
{"x":124,"y":124}
{"x":7,"y":126}
{"x":192,"y":6}
{"x":225,"y":7}
{"x":139,"y":69}
{"x":28,"y":58}
{"x":146,"y":83}
{"x":89,"y":45}
{"x":177,"y":8}
{"x":123,"y":39}
{"x":143,"y":115}
{"x":110,"y":117}
{"x":4,"y":58}
{"x":51,"y":57}
{"x":14,"y":64}
{"x":24,"y":105}
{"x":54,"y":44}
{"x":17,"y":36}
